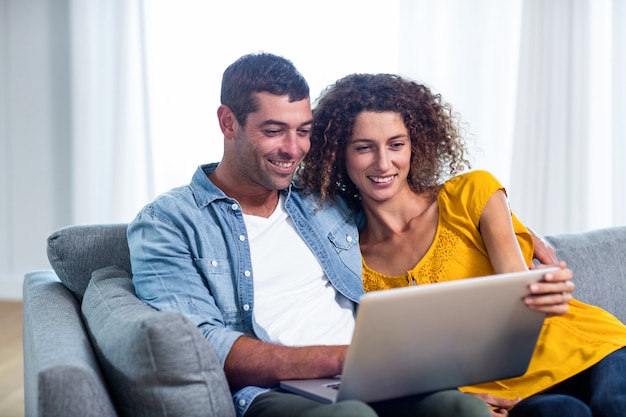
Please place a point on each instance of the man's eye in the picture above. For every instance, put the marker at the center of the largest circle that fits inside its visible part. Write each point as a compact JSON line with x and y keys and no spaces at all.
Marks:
{"x":397,"y":145}
{"x":304,"y":132}
{"x":272,"y":132}
{"x":363,"y":148}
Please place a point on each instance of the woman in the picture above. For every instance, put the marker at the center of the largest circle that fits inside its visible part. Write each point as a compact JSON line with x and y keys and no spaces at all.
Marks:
{"x":394,"y":150}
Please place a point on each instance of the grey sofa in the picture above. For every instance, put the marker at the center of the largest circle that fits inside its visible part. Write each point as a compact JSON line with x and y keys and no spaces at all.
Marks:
{"x":91,"y":348}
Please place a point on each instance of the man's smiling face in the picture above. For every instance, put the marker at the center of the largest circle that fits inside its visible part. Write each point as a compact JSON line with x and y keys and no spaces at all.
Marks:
{"x":274,"y":141}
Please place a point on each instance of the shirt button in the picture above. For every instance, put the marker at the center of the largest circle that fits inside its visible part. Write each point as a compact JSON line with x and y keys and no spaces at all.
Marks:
{"x":349,"y":238}
{"x":242,"y":237}
{"x":234,"y":207}
{"x":214,"y":263}
{"x":242,"y":402}
{"x":246,"y":273}
{"x":246,"y":307}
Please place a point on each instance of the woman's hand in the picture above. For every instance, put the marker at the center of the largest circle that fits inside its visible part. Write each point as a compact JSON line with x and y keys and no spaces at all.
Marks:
{"x":499,"y":406}
{"x":544,"y":253}
{"x":553,"y":293}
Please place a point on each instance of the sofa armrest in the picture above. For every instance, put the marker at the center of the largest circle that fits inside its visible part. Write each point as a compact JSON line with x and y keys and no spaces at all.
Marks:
{"x":61,"y":373}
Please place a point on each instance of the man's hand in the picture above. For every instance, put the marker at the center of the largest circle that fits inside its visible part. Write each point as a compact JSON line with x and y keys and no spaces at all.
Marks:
{"x":552,"y":295}
{"x":544,"y":253}
{"x":499,"y":406}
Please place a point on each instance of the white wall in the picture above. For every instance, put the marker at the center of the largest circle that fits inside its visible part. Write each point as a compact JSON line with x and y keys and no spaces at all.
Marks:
{"x":35,"y":117}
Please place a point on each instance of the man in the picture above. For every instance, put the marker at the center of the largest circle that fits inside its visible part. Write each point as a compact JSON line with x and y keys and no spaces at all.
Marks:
{"x":270,"y":281}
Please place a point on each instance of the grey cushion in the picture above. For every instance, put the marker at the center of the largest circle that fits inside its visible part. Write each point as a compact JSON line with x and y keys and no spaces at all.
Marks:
{"x":76,"y":251}
{"x":155,"y":363}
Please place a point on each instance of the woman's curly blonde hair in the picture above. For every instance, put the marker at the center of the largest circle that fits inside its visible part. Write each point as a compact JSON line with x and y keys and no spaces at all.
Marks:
{"x":438,"y":149}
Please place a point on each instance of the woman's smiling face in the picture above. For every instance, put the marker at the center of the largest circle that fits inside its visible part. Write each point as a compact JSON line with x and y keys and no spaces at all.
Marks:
{"x":378,"y":155}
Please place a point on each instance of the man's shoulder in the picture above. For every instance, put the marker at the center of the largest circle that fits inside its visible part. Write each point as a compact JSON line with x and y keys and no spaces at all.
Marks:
{"x":331,"y":207}
{"x":195,"y":195}
{"x":169,"y":204}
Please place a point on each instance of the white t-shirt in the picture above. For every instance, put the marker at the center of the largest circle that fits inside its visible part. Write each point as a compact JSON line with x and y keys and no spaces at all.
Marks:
{"x":293,"y":300}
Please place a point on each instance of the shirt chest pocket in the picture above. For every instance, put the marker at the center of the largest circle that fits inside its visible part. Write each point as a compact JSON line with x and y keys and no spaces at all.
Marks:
{"x":214,"y":267}
{"x":221,"y":282}
{"x":220,"y":279}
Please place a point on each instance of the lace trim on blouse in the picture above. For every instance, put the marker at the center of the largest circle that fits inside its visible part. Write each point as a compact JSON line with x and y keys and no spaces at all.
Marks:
{"x":430,"y":269}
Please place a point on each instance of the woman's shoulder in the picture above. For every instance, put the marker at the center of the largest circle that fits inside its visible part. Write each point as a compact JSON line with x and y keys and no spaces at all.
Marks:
{"x":477,"y":178}
{"x":466,"y":194}
{"x":471,"y":184}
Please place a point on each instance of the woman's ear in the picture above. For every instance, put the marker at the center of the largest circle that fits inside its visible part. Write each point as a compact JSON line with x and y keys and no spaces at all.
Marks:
{"x":227,"y":120}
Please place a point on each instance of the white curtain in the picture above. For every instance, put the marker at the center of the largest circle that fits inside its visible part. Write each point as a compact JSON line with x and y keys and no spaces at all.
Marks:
{"x":468,"y":52}
{"x":618,"y":103}
{"x":111,"y":137}
{"x":539,"y":83}
{"x":567,"y":170}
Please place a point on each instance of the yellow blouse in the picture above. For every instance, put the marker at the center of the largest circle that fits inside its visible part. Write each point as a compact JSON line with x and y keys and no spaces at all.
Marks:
{"x":568,"y":344}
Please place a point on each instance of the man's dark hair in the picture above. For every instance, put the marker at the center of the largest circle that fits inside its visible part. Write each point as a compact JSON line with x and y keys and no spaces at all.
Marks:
{"x":261,"y":72}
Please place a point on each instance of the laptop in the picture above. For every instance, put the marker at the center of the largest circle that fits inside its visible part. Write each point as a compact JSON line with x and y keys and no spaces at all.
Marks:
{"x":432,"y":337}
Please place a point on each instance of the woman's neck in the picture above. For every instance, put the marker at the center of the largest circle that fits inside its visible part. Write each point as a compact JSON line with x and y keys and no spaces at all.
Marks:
{"x":398,"y":233}
{"x":396,"y":215}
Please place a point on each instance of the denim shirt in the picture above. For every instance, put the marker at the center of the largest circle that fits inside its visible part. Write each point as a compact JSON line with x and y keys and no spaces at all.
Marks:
{"x":190,"y":253}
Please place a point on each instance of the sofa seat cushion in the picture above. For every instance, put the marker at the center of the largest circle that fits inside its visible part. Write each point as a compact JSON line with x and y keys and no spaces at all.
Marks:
{"x":155,"y":363}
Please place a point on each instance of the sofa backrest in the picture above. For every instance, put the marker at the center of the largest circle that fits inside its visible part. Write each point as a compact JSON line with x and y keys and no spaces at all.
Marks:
{"x":76,"y":251}
{"x":598,"y":260}
{"x":597,"y":257}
